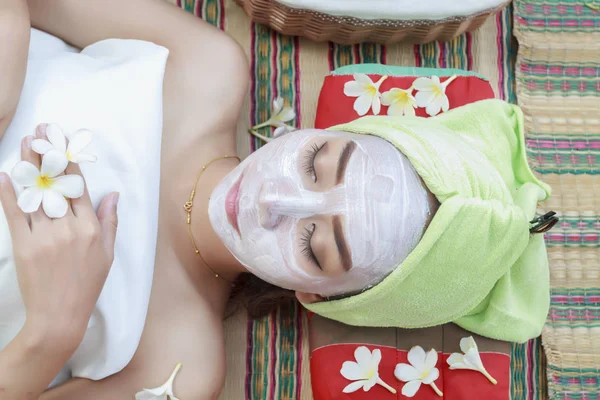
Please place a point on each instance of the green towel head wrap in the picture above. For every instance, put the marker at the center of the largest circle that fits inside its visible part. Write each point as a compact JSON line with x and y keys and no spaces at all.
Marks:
{"x":477,"y":264}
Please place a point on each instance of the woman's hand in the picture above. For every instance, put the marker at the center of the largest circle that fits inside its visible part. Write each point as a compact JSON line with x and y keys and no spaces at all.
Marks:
{"x":61,"y":264}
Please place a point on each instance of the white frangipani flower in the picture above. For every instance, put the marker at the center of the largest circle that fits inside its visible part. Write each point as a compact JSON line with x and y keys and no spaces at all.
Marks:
{"x":45,"y":186}
{"x":282,"y":130}
{"x":400,"y":101}
{"x":470,"y":359}
{"x":367,"y":93}
{"x":432,"y":94}
{"x":420,"y":370}
{"x":279,"y":116}
{"x":74,"y":151}
{"x":364,"y":371}
{"x":164,"y":392}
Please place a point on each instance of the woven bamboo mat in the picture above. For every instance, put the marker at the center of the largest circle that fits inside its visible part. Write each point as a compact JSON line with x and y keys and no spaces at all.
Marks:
{"x":558,"y":86}
{"x":268,"y":359}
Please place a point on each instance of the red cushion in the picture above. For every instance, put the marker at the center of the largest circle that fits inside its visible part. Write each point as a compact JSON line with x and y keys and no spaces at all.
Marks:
{"x":336,"y":108}
{"x":328,"y":383}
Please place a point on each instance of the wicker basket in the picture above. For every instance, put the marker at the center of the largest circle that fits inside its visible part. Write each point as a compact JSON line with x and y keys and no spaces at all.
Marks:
{"x":349,"y":30}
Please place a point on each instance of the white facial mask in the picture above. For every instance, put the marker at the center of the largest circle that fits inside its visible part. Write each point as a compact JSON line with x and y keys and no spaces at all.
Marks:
{"x":382,"y":202}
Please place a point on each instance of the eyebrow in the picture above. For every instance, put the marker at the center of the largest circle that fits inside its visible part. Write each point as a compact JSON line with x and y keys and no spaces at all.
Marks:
{"x":343,"y":161}
{"x":340,"y":242}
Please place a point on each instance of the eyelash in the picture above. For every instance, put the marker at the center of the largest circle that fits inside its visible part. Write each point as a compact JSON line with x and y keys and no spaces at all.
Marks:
{"x":307,"y":251}
{"x":309,"y":161}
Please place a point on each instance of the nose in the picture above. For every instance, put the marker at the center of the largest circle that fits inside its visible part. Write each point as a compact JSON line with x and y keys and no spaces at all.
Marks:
{"x":281,"y":199}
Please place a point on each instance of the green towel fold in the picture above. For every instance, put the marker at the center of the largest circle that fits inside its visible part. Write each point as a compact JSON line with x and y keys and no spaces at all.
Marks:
{"x":477,"y":264}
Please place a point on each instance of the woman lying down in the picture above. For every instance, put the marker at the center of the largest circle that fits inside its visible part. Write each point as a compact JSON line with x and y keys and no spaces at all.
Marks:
{"x":385,"y":221}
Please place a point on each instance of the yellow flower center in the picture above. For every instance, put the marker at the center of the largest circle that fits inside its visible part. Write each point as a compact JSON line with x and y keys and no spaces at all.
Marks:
{"x":401,"y":97}
{"x":424,"y":374}
{"x":437,"y":90}
{"x":69,"y":156}
{"x":44,"y":181}
{"x":371,"y":90}
{"x":371,"y":374}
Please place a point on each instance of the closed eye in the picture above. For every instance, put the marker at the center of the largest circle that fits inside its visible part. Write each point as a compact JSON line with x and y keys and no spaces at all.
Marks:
{"x":306,"y":247}
{"x":309,"y":161}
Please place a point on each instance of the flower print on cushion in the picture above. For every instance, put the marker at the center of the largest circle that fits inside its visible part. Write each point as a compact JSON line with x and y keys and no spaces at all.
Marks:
{"x":366,"y":92}
{"x":335,"y":107}
{"x":364,"y":371}
{"x":421,"y":370}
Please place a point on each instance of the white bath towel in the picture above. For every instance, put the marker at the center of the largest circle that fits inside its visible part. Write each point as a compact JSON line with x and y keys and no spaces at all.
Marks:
{"x":113,"y":88}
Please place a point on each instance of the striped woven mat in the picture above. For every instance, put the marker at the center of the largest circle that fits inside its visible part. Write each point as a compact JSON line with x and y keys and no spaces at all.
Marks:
{"x":268,"y":359}
{"x":558,"y":86}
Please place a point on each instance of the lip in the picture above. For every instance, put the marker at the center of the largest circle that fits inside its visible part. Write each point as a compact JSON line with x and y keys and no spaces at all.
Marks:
{"x":232,"y":204}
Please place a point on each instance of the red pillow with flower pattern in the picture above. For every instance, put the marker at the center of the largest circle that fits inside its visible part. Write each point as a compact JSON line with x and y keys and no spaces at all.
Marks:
{"x":339,"y":96}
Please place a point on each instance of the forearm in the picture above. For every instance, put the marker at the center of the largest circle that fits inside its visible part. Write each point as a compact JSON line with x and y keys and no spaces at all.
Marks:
{"x":30,"y":363}
{"x":14,"y":40}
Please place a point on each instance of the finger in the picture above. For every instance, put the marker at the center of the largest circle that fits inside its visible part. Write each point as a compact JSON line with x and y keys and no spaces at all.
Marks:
{"x":27,"y":154}
{"x":107,"y":215}
{"x":16,"y":219}
{"x":81,"y":206}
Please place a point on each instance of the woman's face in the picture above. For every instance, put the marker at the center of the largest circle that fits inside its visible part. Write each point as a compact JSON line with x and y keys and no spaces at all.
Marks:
{"x":321,"y":212}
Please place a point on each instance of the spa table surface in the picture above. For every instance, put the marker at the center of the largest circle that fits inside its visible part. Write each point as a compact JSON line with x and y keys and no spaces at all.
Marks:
{"x":557,"y":77}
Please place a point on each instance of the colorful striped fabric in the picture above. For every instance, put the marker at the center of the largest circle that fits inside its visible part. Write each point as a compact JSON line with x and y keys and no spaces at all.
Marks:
{"x":565,"y":153}
{"x":558,"y":86}
{"x":553,"y":16}
{"x":268,"y":359}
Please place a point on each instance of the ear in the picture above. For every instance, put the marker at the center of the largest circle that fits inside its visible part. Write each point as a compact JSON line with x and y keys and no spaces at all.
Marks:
{"x":309,"y":298}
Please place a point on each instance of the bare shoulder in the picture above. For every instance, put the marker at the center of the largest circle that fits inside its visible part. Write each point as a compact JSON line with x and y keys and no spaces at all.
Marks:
{"x":203,"y":357}
{"x":219,"y":62}
{"x":191,"y":335}
{"x":227,"y":74}
{"x":206,"y":82}
{"x":201,"y":377}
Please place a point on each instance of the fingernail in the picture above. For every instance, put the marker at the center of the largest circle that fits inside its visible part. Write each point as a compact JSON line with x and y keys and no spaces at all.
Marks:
{"x":41,"y":129}
{"x":3,"y":177}
{"x":28,"y":141}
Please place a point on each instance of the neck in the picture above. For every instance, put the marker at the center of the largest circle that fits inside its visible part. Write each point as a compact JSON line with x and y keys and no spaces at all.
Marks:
{"x":213,"y":252}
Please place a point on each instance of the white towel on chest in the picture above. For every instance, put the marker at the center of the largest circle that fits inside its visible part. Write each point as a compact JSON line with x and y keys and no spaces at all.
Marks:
{"x":113,"y":88}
